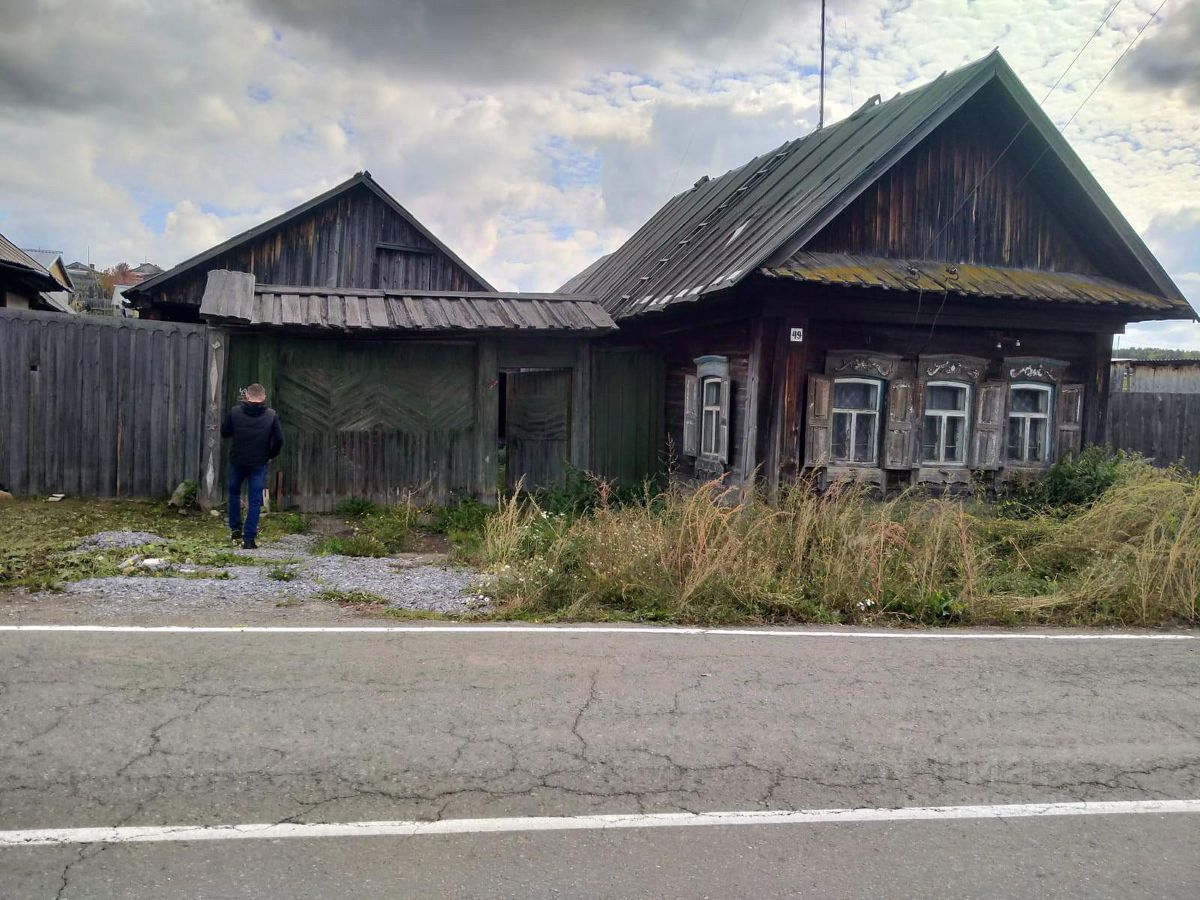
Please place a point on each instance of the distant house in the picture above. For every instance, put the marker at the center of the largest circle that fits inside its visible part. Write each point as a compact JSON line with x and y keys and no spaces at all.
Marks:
{"x":52,"y":261}
{"x":925,"y":290}
{"x":86,"y":280}
{"x":25,"y":283}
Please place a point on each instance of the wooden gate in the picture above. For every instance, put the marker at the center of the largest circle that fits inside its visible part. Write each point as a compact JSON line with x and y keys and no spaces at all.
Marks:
{"x":628,"y":431}
{"x":538,"y":427}
{"x":376,"y":419}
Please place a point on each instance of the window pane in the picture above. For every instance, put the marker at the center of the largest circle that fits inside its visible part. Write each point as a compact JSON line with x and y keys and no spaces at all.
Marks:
{"x":1016,"y":438}
{"x":931,"y":438}
{"x":712,"y":392}
{"x":864,"y":438}
{"x":1029,"y":400}
{"x":708,"y":442}
{"x":840,"y":443}
{"x":944,"y":397}
{"x":1037,"y":440}
{"x":855,"y":395}
{"x":956,"y":445}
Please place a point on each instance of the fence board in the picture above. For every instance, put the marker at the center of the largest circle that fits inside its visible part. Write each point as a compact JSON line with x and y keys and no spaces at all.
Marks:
{"x":1163,"y":427}
{"x":99,"y":406}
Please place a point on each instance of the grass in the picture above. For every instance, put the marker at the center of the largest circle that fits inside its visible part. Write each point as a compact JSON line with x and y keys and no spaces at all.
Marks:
{"x":1128,"y":556}
{"x":352,"y":598}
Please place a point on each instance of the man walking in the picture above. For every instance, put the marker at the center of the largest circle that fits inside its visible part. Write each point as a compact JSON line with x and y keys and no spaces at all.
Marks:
{"x":257,"y":439}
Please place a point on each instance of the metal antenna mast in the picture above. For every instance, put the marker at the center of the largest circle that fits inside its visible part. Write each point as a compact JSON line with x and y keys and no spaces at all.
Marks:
{"x":821,"y":102}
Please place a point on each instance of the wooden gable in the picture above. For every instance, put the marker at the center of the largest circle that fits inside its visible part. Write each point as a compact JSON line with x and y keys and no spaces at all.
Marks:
{"x":950,"y":199}
{"x":353,"y":237}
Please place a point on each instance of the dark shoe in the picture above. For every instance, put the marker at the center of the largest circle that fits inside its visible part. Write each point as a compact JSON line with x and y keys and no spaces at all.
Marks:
{"x":249,"y":544}
{"x":236,"y":536}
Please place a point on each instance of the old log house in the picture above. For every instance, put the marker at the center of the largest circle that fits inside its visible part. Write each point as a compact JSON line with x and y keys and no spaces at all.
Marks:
{"x":395,"y":367}
{"x":925,"y":290}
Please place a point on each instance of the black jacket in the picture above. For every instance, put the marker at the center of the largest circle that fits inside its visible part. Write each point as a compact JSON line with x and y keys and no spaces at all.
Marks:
{"x":256,"y":432}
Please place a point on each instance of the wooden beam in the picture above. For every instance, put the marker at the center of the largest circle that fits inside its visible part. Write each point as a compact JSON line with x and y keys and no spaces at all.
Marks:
{"x":404,"y":248}
{"x":211,"y":483}
{"x":487,"y":419}
{"x":1095,"y":397}
{"x":750,"y":413}
{"x":581,"y":407}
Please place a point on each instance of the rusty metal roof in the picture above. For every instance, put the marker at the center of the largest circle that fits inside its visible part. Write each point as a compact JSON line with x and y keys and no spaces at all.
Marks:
{"x":960,"y":278}
{"x":232,"y":297}
{"x":711,"y":237}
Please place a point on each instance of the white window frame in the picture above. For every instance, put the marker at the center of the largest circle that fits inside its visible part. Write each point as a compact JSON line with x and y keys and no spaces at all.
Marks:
{"x":715,"y":409}
{"x":944,"y":414}
{"x":880,"y":386}
{"x":1025,"y":417}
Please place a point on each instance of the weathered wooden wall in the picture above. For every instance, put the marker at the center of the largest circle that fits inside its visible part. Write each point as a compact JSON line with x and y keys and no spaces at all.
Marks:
{"x":353,"y":240}
{"x":375,"y":419}
{"x":99,"y":406}
{"x":1163,"y":426}
{"x":908,"y":212}
{"x":628,"y":425}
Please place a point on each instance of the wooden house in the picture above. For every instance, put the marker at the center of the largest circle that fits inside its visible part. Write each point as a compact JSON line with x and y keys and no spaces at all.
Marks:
{"x":925,"y":290}
{"x":27,"y":282}
{"x":395,"y":367}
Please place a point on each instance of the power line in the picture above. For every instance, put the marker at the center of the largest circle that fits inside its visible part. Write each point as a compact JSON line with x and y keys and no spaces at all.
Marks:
{"x":1024,"y":125}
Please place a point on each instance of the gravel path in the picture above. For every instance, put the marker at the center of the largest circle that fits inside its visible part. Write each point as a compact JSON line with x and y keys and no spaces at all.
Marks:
{"x":421,"y":582}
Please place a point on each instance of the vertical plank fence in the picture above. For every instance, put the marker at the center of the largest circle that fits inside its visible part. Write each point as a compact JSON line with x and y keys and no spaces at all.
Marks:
{"x":96,"y":406}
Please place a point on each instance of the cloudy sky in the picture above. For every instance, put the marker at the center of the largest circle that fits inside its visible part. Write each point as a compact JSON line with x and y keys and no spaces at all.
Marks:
{"x":531,"y":135}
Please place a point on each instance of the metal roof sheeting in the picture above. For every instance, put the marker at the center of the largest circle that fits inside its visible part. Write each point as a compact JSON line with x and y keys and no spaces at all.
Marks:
{"x":960,"y":278}
{"x":710,"y":237}
{"x":361,"y":309}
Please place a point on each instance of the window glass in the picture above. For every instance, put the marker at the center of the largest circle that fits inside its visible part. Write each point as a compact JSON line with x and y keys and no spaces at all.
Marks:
{"x":955,"y":446}
{"x":840,"y":442}
{"x":1030,"y":400}
{"x":931,"y":438}
{"x":942,"y":396}
{"x":712,"y":392}
{"x":856,"y":395}
{"x":864,"y":438}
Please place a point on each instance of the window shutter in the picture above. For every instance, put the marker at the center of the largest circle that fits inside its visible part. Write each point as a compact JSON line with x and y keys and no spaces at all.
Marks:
{"x":726,"y":388}
{"x":901,"y":419}
{"x":819,"y":420}
{"x":1068,"y":420}
{"x":988,"y":441}
{"x":691,"y":427}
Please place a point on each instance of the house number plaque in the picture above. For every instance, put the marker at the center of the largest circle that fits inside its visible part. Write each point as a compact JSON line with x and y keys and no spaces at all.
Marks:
{"x":797,"y":336}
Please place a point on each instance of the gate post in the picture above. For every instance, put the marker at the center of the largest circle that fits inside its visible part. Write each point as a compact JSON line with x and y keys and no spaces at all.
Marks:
{"x":214,"y":402}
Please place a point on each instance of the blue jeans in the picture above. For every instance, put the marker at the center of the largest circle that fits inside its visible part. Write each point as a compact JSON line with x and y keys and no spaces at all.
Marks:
{"x":255,"y":478}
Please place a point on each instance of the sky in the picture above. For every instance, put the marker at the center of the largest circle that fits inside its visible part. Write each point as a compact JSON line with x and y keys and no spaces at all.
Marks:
{"x":532,"y":136}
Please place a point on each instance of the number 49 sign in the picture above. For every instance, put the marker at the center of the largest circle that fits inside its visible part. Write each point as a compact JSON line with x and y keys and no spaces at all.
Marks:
{"x":797,"y":336}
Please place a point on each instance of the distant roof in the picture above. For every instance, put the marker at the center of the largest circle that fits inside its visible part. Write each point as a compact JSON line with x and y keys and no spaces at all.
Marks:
{"x":714,"y":235}
{"x":233,"y":297}
{"x":47,"y":259}
{"x":360,"y":178}
{"x":964,"y":279}
{"x":147,"y":269}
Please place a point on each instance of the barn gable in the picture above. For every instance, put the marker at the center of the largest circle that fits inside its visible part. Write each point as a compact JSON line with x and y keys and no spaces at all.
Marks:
{"x":353,"y":236}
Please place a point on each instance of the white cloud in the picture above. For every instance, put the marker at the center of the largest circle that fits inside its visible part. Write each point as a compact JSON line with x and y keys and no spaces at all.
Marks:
{"x":531,"y":140}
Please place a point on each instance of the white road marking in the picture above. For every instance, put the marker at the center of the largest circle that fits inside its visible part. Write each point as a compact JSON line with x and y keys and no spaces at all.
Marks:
{"x":601,"y":629}
{"x":159,"y":833}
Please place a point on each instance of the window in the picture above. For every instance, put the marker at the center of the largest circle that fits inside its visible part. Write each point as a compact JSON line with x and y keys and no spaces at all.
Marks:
{"x":855,"y":420}
{"x":1029,"y":423}
{"x":710,"y":417}
{"x":944,"y":433}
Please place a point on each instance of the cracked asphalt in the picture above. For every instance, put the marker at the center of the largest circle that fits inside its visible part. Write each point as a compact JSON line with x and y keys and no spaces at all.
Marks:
{"x":104,"y":729}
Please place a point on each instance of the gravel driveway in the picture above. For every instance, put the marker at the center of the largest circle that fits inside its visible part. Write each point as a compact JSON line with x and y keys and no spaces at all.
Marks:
{"x":281,"y":574}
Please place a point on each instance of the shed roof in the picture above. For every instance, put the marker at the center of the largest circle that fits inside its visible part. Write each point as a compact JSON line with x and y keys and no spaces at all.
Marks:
{"x":235,"y":298}
{"x":713,"y":236}
{"x":47,"y":259}
{"x":26,"y":270}
{"x":961,"y":278}
{"x":360,"y":178}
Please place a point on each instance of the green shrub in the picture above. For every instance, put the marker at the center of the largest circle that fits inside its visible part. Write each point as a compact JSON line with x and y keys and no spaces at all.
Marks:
{"x":292,"y":522}
{"x":1070,"y":482}
{"x":355,"y":507}
{"x":281,"y":573}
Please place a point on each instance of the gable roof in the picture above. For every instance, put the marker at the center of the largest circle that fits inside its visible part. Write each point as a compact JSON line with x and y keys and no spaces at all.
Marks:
{"x":715,"y":235}
{"x":47,"y":259}
{"x":360,"y":178}
{"x":27,"y":270}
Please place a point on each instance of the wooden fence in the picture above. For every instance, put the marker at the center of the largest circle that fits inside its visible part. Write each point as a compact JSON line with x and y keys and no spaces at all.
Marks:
{"x":1164,"y":427}
{"x":105,"y":407}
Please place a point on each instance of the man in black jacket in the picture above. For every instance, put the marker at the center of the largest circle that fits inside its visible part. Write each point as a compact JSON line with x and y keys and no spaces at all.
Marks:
{"x":257,"y":439}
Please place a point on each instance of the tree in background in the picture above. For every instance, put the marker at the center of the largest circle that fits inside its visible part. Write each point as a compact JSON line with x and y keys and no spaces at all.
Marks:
{"x":1154,"y":353}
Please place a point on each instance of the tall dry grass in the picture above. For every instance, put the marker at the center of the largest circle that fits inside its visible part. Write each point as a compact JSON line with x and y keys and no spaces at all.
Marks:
{"x":702,"y":555}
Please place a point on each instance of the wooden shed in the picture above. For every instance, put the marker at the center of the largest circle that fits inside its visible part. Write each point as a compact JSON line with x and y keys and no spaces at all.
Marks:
{"x":385,"y":394}
{"x":923,"y":291}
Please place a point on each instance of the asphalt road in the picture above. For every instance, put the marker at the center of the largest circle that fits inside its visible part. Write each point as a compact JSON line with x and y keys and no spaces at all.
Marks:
{"x":204,"y":729}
